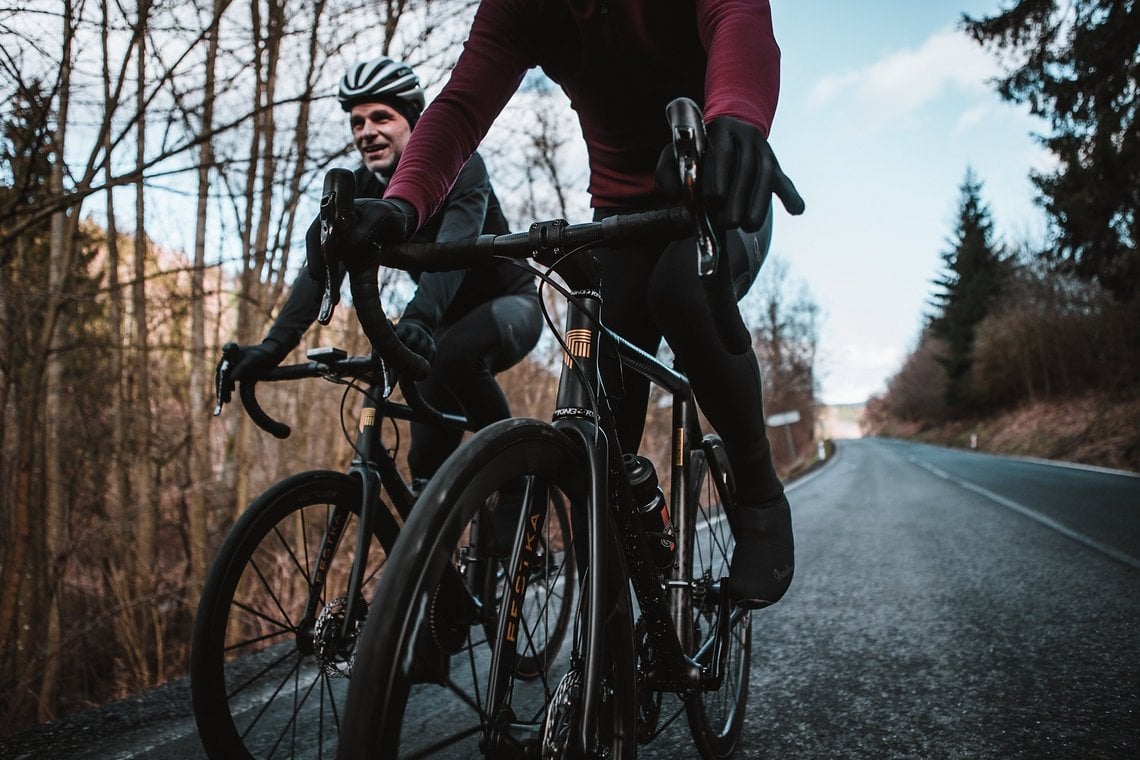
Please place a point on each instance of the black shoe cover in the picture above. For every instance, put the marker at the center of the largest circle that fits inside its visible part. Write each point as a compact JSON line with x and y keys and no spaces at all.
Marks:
{"x":764,"y":558}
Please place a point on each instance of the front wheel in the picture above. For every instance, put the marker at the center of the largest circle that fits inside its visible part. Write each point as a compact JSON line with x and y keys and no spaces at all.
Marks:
{"x":491,"y":701}
{"x":270,"y":661}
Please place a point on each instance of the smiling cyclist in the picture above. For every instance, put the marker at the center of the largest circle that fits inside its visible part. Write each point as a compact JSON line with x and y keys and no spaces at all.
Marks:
{"x":471,"y":325}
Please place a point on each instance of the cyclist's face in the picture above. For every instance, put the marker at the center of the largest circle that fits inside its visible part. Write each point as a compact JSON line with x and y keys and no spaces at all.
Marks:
{"x":380,"y":133}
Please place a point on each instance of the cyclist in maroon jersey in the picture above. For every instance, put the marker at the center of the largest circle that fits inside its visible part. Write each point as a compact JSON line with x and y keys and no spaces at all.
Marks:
{"x":620,"y":62}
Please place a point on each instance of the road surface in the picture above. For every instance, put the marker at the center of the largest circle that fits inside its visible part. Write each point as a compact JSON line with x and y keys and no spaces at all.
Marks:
{"x":946,"y":604}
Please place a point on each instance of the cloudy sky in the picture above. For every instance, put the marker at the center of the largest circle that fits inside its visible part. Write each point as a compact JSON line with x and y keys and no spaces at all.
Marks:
{"x":883,"y":106}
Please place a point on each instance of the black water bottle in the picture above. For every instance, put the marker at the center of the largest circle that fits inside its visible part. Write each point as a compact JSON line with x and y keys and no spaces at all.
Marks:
{"x":652,"y":509}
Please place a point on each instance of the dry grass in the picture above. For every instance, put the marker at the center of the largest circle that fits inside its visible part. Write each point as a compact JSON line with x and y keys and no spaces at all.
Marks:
{"x":1089,"y":429}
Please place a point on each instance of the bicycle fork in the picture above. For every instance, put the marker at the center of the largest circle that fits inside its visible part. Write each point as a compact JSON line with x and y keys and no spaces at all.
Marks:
{"x":577,"y":415}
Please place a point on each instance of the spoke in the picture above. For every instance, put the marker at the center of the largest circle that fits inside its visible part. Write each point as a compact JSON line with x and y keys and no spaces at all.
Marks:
{"x":265,"y":671}
{"x":301,"y":568}
{"x":321,"y":718}
{"x":376,"y":570}
{"x":332,"y":705}
{"x":272,"y":593}
{"x":291,"y":726}
{"x":466,"y":699}
{"x":272,"y":697}
{"x":282,"y":626}
{"x":449,"y":740}
{"x":474,"y":678}
{"x":305,"y":539}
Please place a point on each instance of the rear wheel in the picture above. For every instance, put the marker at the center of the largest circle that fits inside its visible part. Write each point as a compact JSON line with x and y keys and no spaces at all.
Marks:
{"x":716,"y":718}
{"x":480,"y":700}
{"x":270,"y":660}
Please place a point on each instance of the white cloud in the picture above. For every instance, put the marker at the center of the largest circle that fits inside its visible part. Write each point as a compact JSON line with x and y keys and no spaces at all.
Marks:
{"x":972,"y":117}
{"x":899,"y":84}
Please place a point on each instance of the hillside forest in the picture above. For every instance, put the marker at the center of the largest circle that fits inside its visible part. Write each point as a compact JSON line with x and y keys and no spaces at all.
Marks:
{"x":1033,"y":346}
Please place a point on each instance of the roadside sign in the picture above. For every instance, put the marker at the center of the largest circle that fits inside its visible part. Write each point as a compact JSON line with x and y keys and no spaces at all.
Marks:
{"x":783,"y":418}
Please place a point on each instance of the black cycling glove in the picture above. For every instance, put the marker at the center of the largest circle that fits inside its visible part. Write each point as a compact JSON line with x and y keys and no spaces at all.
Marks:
{"x":416,"y":336}
{"x":377,"y":221}
{"x":740,"y":174}
{"x":254,"y":361}
{"x":667,"y":176}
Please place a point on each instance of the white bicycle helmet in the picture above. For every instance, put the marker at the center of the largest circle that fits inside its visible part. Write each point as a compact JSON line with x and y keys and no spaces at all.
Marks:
{"x":382,"y":80}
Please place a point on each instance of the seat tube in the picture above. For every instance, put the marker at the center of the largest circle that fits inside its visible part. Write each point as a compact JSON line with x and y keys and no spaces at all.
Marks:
{"x":682,"y":511}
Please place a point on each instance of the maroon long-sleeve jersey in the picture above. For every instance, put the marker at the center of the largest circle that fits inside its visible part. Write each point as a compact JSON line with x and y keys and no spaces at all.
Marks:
{"x":620,"y":62}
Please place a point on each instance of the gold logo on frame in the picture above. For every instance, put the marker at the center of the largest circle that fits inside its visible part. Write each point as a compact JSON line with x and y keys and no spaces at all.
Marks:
{"x":578,"y":344}
{"x":367,"y":418}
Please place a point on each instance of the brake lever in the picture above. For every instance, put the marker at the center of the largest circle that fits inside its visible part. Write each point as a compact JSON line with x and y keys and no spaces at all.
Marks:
{"x":336,"y":219}
{"x":223,"y":376}
{"x":331,"y":295}
{"x":689,"y":143}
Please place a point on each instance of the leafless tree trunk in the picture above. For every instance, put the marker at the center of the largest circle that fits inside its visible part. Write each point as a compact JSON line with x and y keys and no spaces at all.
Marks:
{"x":199,"y":464}
{"x":119,"y":491}
{"x":786,"y":339}
{"x":142,"y":481}
{"x":44,"y":571}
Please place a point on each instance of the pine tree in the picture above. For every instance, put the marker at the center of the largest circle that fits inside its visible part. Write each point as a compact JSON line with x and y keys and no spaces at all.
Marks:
{"x":969,"y":285}
{"x":1079,"y":68}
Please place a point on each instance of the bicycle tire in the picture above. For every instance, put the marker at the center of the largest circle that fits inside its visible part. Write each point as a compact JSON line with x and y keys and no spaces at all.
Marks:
{"x":266,"y":682}
{"x":716,"y":718}
{"x":468,"y":707}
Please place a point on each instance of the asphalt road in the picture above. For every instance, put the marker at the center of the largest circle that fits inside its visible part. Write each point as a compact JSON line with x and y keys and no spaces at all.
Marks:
{"x":946,"y":604}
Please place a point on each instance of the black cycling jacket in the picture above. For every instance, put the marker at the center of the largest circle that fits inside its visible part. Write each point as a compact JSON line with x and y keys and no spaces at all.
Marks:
{"x":441,"y":298}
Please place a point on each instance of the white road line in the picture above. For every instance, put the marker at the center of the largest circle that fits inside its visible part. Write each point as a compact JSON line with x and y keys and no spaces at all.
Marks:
{"x":1075,"y":466}
{"x":1033,"y":515}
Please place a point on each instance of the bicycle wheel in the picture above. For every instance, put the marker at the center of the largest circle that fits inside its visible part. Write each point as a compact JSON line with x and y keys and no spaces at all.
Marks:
{"x":483,"y":700}
{"x":716,"y":718}
{"x":269,"y":665}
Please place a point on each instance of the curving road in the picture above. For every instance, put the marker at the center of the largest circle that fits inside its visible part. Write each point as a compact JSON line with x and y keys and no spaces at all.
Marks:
{"x":947,"y":604}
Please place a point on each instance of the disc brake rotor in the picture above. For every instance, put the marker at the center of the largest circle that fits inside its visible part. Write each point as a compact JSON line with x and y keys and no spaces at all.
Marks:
{"x":561,"y":717}
{"x":336,"y":653}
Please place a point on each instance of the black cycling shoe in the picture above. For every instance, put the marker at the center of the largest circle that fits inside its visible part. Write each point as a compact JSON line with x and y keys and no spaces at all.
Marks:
{"x":764,"y":558}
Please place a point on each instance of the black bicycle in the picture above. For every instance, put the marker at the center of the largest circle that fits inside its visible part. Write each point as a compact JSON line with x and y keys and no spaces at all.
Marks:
{"x":278,"y":624}
{"x":677,"y":632}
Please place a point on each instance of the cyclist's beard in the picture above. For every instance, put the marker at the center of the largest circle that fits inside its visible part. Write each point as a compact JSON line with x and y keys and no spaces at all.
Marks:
{"x":382,"y":178}
{"x":386,"y":173}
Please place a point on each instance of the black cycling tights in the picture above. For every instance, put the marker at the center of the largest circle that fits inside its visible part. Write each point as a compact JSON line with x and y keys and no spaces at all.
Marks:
{"x":649,"y":293}
{"x":469,"y":353}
